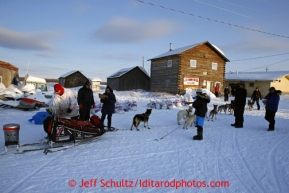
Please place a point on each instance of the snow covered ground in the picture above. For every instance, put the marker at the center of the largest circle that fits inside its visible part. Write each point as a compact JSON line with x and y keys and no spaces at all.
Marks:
{"x":159,"y":159}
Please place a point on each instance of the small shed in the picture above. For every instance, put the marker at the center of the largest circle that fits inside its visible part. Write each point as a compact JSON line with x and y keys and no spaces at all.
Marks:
{"x":129,"y":78}
{"x":96,"y":84}
{"x":8,"y":74}
{"x":263,"y":80}
{"x":37,"y":82}
{"x":72,"y":79}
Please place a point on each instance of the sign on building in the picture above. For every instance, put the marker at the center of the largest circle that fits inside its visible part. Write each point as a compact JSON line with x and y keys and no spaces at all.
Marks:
{"x":191,"y":81}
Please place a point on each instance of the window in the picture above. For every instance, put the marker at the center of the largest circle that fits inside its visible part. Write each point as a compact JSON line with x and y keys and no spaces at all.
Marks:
{"x":251,"y":84}
{"x":170,"y":63}
{"x":214,"y":66}
{"x":193,"y":63}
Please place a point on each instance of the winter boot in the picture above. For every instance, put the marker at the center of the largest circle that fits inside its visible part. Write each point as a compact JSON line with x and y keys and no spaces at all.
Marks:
{"x":199,"y":136}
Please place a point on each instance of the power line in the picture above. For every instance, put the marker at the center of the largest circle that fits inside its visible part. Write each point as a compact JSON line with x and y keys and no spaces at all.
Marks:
{"x":214,"y":20}
{"x":226,"y":10}
{"x":266,"y":65}
{"x":259,"y":57}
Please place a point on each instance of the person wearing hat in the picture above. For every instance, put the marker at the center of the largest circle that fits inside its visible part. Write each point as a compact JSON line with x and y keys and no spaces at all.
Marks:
{"x":240,"y":102}
{"x":226,"y":93}
{"x":108,"y":107}
{"x":64,"y":103}
{"x":85,"y":101}
{"x":271,"y":101}
{"x":256,"y":96}
{"x":200,"y":104}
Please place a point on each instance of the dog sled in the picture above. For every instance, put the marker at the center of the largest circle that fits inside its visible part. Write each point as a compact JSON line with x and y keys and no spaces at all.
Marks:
{"x":65,"y":130}
{"x":63,"y":134}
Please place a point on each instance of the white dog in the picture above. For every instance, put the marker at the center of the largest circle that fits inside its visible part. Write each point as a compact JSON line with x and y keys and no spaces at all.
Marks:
{"x":182,"y":114}
{"x":189,"y":121}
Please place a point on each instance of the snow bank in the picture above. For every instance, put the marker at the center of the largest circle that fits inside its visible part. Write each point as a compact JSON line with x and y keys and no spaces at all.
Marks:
{"x":192,"y":92}
{"x":284,"y":97}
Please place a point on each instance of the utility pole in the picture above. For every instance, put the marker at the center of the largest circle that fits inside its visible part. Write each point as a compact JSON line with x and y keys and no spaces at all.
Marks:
{"x":143,"y":62}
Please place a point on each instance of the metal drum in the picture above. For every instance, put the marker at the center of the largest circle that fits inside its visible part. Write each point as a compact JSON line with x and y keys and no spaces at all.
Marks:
{"x":11,"y":134}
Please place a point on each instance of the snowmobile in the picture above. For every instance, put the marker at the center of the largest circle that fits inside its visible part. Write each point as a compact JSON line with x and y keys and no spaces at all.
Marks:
{"x":21,"y":103}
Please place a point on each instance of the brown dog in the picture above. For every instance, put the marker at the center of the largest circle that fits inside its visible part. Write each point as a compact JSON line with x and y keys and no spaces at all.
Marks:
{"x":213,"y":113}
{"x":141,"y":118}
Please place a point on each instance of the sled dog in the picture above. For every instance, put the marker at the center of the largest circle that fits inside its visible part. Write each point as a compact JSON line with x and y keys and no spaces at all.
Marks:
{"x":250,"y":105}
{"x":189,"y":120}
{"x":223,"y":108}
{"x":184,"y":113}
{"x":141,"y":118}
{"x":213,"y":113}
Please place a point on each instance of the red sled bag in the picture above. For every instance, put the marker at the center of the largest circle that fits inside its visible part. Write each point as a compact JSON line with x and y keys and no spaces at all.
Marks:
{"x":47,"y":124}
{"x":94,"y":119}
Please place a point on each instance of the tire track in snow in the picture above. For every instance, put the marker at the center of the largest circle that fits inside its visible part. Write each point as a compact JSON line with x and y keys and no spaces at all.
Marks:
{"x":246,"y":165}
{"x":16,"y":185}
{"x":218,"y":163}
{"x":236,"y":175}
{"x":271,"y":157}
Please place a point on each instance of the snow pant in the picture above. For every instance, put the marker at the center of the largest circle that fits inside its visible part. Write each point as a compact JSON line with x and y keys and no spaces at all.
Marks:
{"x":108,"y":119}
{"x":239,"y":115}
{"x":217,"y":94}
{"x":257,"y":102}
{"x":270,"y":117}
{"x":226,"y":97}
{"x":84,"y":114}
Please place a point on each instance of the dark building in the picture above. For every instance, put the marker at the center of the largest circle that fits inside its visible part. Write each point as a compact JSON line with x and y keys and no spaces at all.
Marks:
{"x":129,"y":78}
{"x":72,"y":79}
{"x":199,"y":65}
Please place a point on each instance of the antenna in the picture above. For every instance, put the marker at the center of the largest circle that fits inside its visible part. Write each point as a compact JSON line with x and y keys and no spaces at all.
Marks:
{"x":27,"y":66}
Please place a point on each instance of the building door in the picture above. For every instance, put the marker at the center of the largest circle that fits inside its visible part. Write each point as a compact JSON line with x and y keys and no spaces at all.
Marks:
{"x":209,"y":86}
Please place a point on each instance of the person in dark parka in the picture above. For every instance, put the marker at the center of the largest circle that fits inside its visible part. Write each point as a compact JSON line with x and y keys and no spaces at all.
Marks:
{"x":272,"y":101}
{"x":85,"y":101}
{"x":108,"y":107}
{"x":240,"y":102}
{"x":226,"y":93}
{"x":256,"y":96}
{"x":200,"y":104}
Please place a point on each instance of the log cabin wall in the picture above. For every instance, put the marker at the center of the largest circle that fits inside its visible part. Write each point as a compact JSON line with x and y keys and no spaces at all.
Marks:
{"x":164,"y":78}
{"x":204,"y":56}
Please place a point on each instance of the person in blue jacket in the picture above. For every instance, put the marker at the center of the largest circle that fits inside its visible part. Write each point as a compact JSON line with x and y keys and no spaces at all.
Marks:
{"x":271,"y":101}
{"x":200,"y":104}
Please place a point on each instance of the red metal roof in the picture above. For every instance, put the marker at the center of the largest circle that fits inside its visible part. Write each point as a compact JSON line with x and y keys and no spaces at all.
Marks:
{"x":8,"y":66}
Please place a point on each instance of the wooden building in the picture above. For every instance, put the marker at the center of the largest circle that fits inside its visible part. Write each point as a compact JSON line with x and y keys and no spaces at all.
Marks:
{"x":8,"y":74}
{"x":200,"y":65}
{"x":129,"y":78}
{"x":263,"y":80}
{"x":72,"y":79}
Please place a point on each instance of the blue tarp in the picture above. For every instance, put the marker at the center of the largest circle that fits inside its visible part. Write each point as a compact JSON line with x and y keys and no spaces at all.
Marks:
{"x":39,"y":118}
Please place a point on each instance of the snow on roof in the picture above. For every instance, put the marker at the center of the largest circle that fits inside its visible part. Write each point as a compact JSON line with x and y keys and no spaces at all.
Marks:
{"x":182,"y":49}
{"x":71,"y":72}
{"x":30,"y":78}
{"x":96,"y":79}
{"x":256,"y":76}
{"x":121,"y":72}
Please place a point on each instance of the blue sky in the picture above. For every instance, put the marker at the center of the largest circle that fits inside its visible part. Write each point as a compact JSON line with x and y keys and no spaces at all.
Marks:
{"x":99,"y":37}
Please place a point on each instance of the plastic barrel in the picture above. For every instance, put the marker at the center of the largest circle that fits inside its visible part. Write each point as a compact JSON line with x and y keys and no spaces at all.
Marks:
{"x":11,"y":134}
